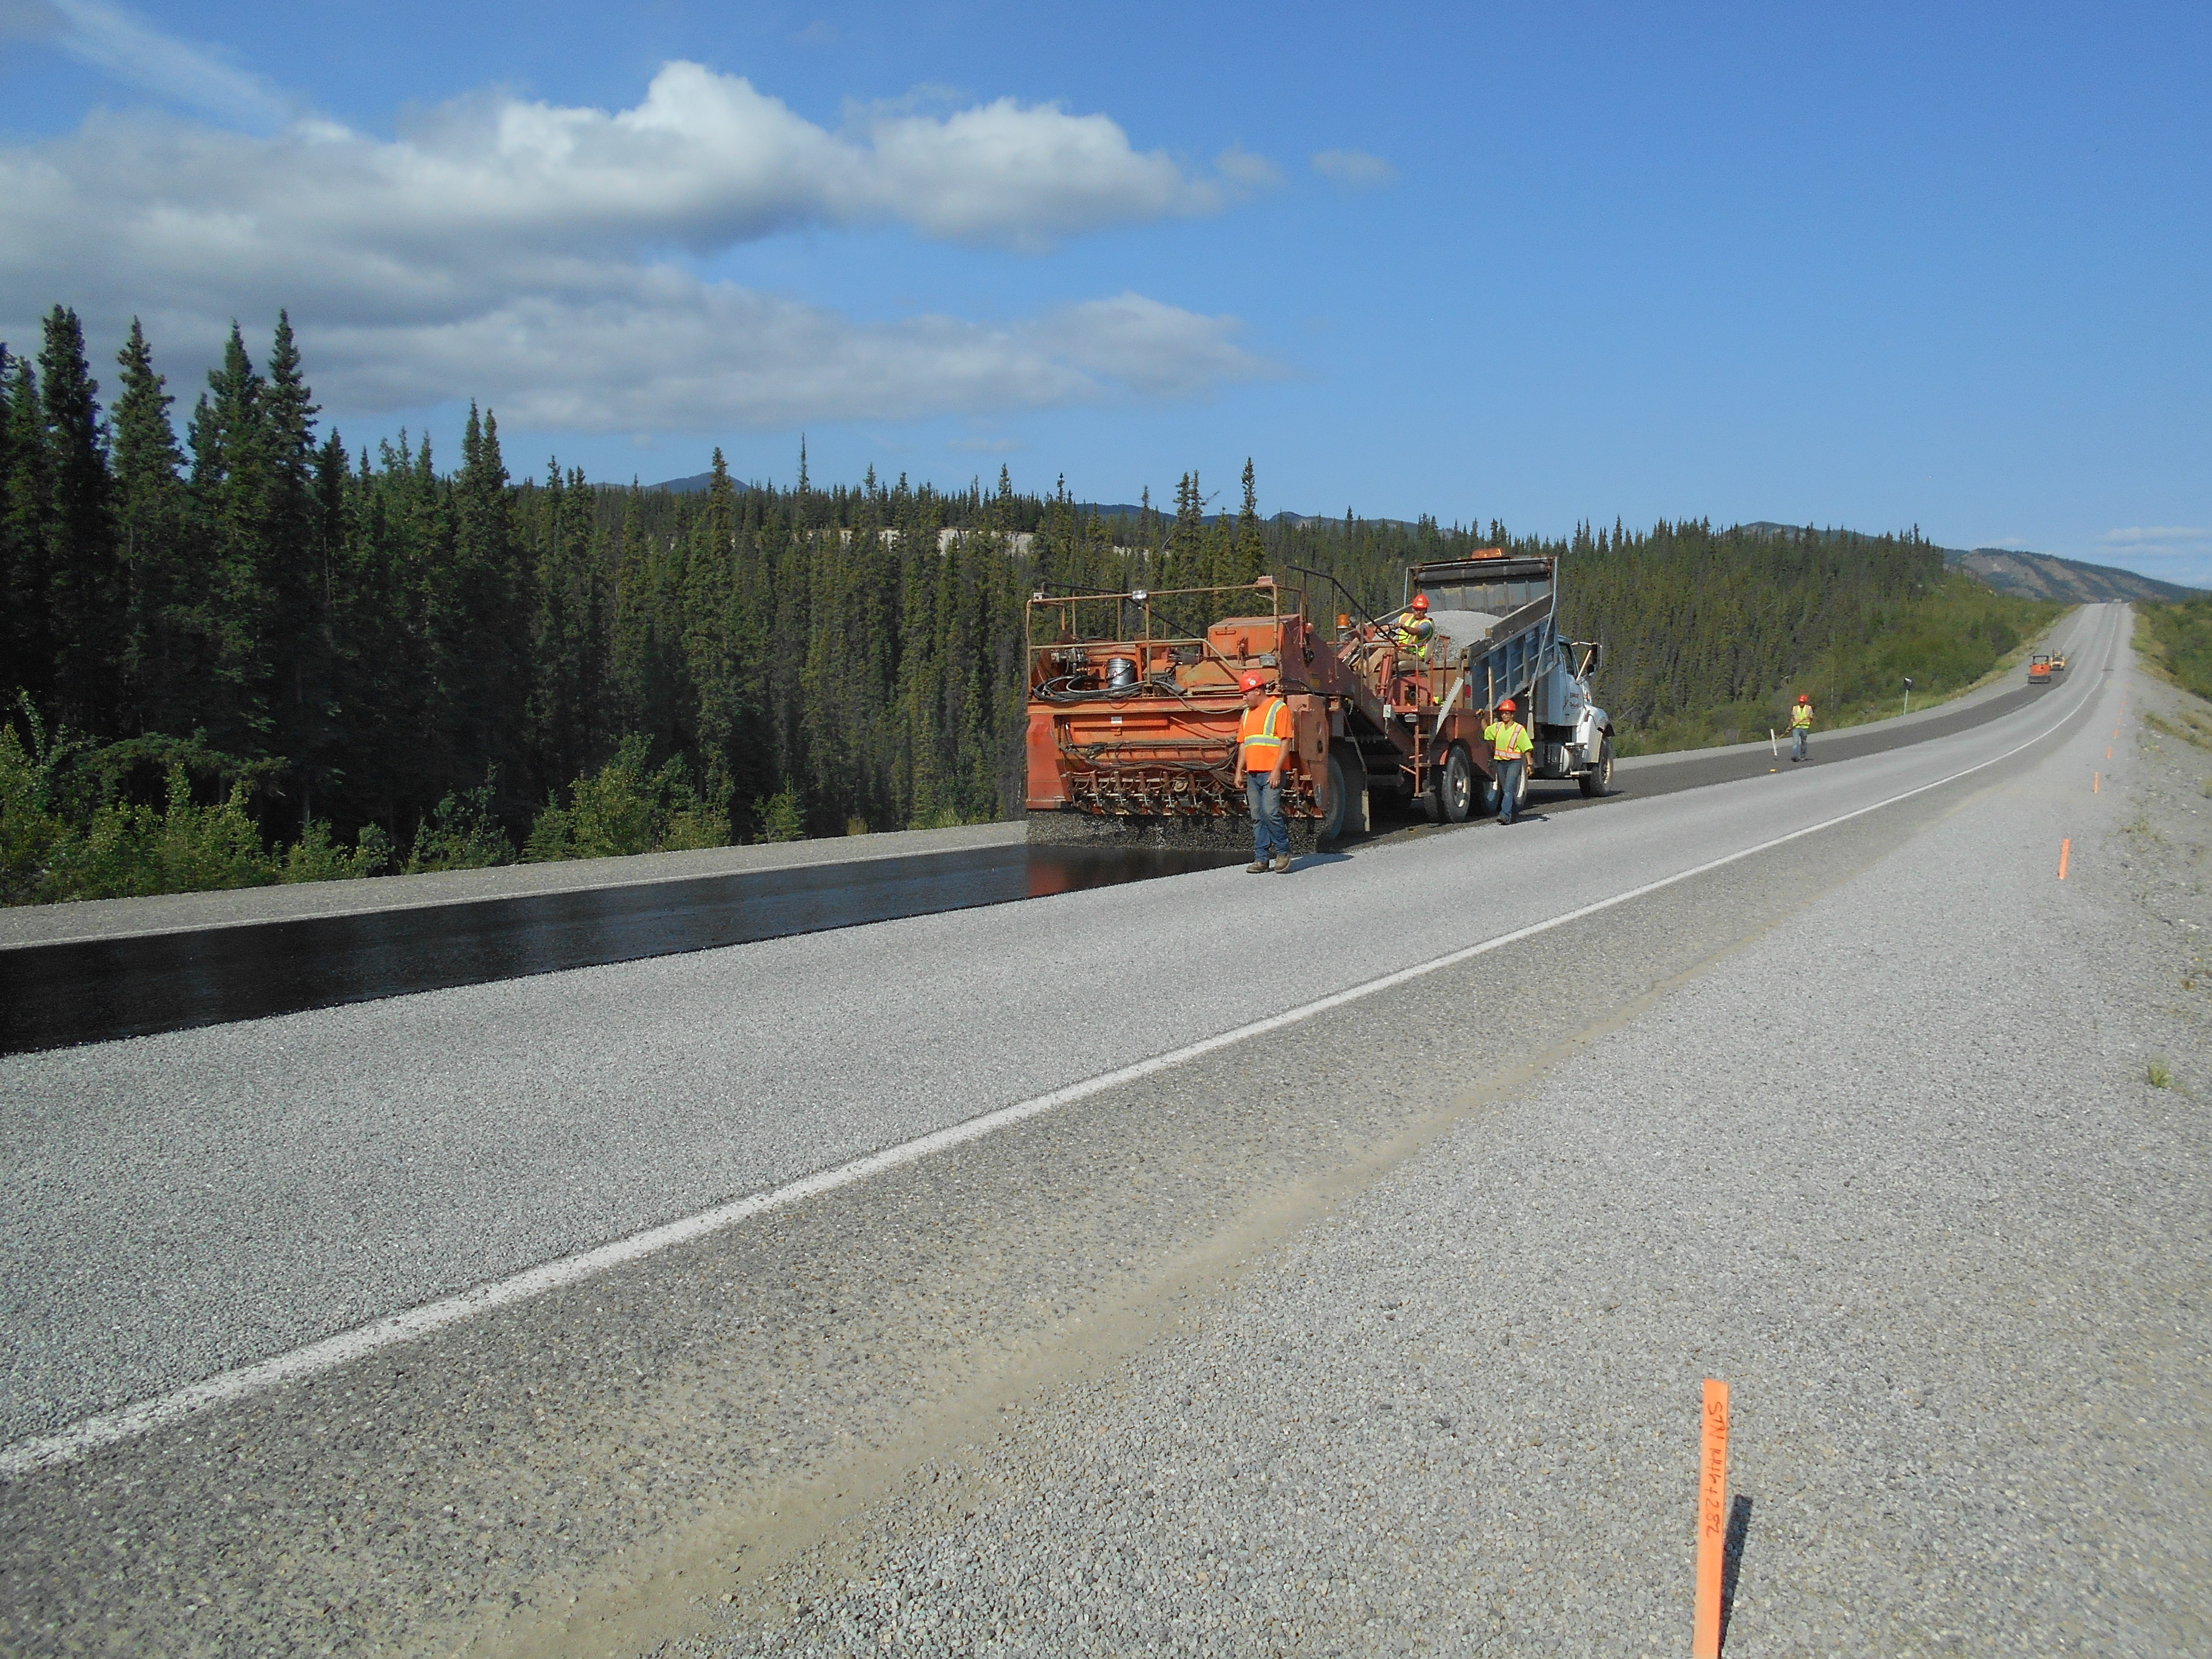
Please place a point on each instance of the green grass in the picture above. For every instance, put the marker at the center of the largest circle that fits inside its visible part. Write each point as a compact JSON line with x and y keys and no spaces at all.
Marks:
{"x":2194,"y":727}
{"x":2176,"y":640}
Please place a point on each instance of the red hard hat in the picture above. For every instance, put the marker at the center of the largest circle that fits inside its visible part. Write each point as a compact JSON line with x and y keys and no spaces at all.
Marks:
{"x":1252,"y":680}
{"x":1508,"y":706}
{"x":1420,"y":602}
{"x":1802,"y":698}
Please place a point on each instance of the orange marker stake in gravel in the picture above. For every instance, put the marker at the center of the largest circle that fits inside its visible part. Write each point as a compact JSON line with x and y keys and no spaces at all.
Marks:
{"x":2066,"y":852}
{"x":1712,"y":1522}
{"x":2096,"y":783}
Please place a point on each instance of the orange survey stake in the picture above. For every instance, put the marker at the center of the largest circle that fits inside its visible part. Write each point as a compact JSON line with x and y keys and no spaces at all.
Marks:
{"x":1712,"y":1522}
{"x":2066,"y":852}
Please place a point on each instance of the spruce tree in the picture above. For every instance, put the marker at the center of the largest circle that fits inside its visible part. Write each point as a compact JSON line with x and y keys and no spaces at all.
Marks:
{"x":84,"y":588}
{"x":303,"y":641}
{"x":29,"y":667}
{"x":163,"y":657}
{"x":231,"y":488}
{"x":484,"y":628}
{"x":1251,"y":546}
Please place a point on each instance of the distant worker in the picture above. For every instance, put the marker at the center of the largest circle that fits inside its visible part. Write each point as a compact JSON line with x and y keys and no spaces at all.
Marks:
{"x":1510,"y":745}
{"x":1263,"y":748}
{"x":1801,"y":727}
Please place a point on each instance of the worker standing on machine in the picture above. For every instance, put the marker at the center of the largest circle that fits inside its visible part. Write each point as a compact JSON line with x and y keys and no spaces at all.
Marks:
{"x":1801,"y":727}
{"x":1411,"y":630}
{"x":1263,"y":748}
{"x":1510,"y":745}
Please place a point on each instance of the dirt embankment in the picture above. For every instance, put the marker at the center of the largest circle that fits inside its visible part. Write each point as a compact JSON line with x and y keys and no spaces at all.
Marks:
{"x":2162,"y":759}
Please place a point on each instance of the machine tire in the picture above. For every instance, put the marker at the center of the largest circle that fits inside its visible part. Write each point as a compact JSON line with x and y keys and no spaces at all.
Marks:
{"x":1347,"y":813}
{"x":1455,"y":784}
{"x":1598,"y":781}
{"x":1485,"y":784}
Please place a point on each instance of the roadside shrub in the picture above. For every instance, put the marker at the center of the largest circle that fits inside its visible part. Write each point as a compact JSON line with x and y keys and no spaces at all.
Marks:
{"x":31,"y":835}
{"x":462,"y":832}
{"x":316,"y":855}
{"x":623,"y":809}
{"x":56,"y":844}
{"x":780,"y":816}
{"x":2179,"y":638}
{"x":179,"y":846}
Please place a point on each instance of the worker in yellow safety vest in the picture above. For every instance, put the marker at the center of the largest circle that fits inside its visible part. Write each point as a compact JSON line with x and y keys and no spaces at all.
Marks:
{"x":1411,"y":630}
{"x":1509,"y":744}
{"x":1801,"y":727}
{"x":1263,"y":748}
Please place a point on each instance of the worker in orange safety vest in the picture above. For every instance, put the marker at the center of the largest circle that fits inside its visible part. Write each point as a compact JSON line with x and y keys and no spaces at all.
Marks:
{"x":1509,"y":744}
{"x":1263,"y":748}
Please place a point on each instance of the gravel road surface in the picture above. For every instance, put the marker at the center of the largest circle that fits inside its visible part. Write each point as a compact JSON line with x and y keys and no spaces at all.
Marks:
{"x":1178,"y":1285}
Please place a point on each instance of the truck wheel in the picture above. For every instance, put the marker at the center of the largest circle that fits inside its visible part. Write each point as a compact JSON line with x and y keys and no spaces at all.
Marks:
{"x":1598,"y":781}
{"x":1347,"y":790}
{"x":1487,"y":782}
{"x":1457,"y":784}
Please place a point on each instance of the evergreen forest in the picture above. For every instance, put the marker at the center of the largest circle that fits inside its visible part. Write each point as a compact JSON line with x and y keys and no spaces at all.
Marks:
{"x":245,"y":652}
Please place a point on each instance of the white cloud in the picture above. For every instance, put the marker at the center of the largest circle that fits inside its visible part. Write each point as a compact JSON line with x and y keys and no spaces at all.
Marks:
{"x":2159,"y":537}
{"x":678,"y":354}
{"x":1246,"y":171}
{"x":1354,"y":169}
{"x":121,"y":43}
{"x":2173,"y":553}
{"x":530,"y":253}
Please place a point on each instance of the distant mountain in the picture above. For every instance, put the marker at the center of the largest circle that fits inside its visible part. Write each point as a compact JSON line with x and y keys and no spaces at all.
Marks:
{"x":695,"y":485}
{"x":2047,"y":576}
{"x":1294,"y":520}
{"x":2039,"y":576}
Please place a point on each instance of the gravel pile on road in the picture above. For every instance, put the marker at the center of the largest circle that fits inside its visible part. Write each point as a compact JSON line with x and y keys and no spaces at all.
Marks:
{"x":1895,"y":1170}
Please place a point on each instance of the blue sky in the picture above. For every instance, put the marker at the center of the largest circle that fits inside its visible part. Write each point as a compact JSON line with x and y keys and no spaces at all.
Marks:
{"x":1943,"y":265}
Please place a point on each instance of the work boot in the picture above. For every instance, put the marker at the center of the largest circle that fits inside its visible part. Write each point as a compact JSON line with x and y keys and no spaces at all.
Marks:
{"x":1257,"y":867}
{"x":1283,"y":864}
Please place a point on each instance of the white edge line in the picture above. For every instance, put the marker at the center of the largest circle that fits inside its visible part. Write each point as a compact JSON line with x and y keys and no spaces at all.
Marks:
{"x":51,"y":1451}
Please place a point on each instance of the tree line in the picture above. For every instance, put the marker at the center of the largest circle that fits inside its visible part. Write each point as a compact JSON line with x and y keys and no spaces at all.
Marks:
{"x":249,"y":652}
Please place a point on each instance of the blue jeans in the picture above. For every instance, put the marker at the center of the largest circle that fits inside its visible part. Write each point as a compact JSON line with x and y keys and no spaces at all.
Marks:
{"x":1509,"y":788}
{"x":1797,"y":736}
{"x":1265,"y":803}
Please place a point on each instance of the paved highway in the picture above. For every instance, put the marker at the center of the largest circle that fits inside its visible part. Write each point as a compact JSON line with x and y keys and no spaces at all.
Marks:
{"x":186,"y":1204}
{"x":131,"y":967}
